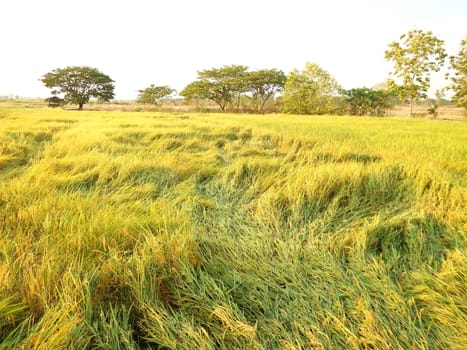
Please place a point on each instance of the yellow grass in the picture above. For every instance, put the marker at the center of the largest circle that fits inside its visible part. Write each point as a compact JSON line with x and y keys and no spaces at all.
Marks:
{"x":150,"y":230}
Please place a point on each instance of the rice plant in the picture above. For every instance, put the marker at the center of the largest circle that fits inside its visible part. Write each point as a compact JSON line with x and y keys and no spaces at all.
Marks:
{"x":144,"y":230}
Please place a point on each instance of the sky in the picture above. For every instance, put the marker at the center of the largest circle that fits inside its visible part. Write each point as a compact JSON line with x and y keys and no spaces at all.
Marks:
{"x":143,"y":42}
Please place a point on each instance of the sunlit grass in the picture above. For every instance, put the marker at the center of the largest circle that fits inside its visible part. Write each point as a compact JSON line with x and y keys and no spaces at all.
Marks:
{"x":127,"y":230}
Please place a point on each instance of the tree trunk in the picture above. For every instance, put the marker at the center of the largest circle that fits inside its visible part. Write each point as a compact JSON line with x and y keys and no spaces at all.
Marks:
{"x":261,"y":107}
{"x":411,"y":108}
{"x":80,"y":106}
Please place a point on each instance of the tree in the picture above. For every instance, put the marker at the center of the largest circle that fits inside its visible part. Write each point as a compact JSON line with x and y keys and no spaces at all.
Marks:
{"x":79,"y":84}
{"x":459,"y":78}
{"x":262,"y":85}
{"x":311,"y":91}
{"x":153,"y":94}
{"x":419,"y":54}
{"x":220,"y":85}
{"x":364,"y":101}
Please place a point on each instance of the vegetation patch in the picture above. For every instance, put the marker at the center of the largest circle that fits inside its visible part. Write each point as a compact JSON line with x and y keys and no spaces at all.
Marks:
{"x":409,"y":244}
{"x":346,"y":157}
{"x":231,"y":232}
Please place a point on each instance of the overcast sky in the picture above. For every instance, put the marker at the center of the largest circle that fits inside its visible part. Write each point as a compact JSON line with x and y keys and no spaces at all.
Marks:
{"x":143,"y":42}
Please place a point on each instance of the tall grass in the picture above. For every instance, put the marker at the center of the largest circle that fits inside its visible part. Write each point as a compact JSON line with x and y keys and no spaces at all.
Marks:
{"x":124,"y":230}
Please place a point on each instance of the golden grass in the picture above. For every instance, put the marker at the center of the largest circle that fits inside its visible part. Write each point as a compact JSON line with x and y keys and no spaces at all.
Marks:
{"x":127,"y":230}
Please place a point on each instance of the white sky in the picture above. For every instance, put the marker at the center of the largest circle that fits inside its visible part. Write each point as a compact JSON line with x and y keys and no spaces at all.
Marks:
{"x":143,"y":42}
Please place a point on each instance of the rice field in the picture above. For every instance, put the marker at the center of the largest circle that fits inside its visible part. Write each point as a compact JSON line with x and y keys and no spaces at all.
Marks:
{"x":151,"y":230}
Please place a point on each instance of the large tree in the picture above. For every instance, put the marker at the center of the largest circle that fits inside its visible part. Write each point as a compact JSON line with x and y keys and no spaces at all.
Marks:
{"x":262,"y":85}
{"x":79,"y":84}
{"x":220,"y":85}
{"x":459,"y":77}
{"x":153,"y":94}
{"x":311,"y":91}
{"x":417,"y":55}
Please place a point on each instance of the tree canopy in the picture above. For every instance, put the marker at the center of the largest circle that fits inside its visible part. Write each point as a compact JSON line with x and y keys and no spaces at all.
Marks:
{"x":459,"y":77}
{"x":227,"y":85}
{"x":310,"y":91}
{"x":417,"y":55}
{"x":79,"y":84}
{"x":365,"y":101}
{"x":262,"y":84}
{"x":153,"y":94}
{"x":220,"y":85}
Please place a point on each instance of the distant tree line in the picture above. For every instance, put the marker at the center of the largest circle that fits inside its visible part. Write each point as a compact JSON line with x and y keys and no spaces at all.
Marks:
{"x":227,"y":85}
{"x":312,"y":90}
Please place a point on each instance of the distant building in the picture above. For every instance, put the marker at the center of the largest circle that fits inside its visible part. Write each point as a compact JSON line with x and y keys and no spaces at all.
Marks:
{"x":55,"y":101}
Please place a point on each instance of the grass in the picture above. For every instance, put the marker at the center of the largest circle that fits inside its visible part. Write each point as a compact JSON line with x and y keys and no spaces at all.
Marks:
{"x":126,"y":230}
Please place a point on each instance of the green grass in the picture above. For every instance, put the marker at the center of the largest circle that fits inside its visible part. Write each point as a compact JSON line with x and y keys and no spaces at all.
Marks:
{"x":126,"y":230}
